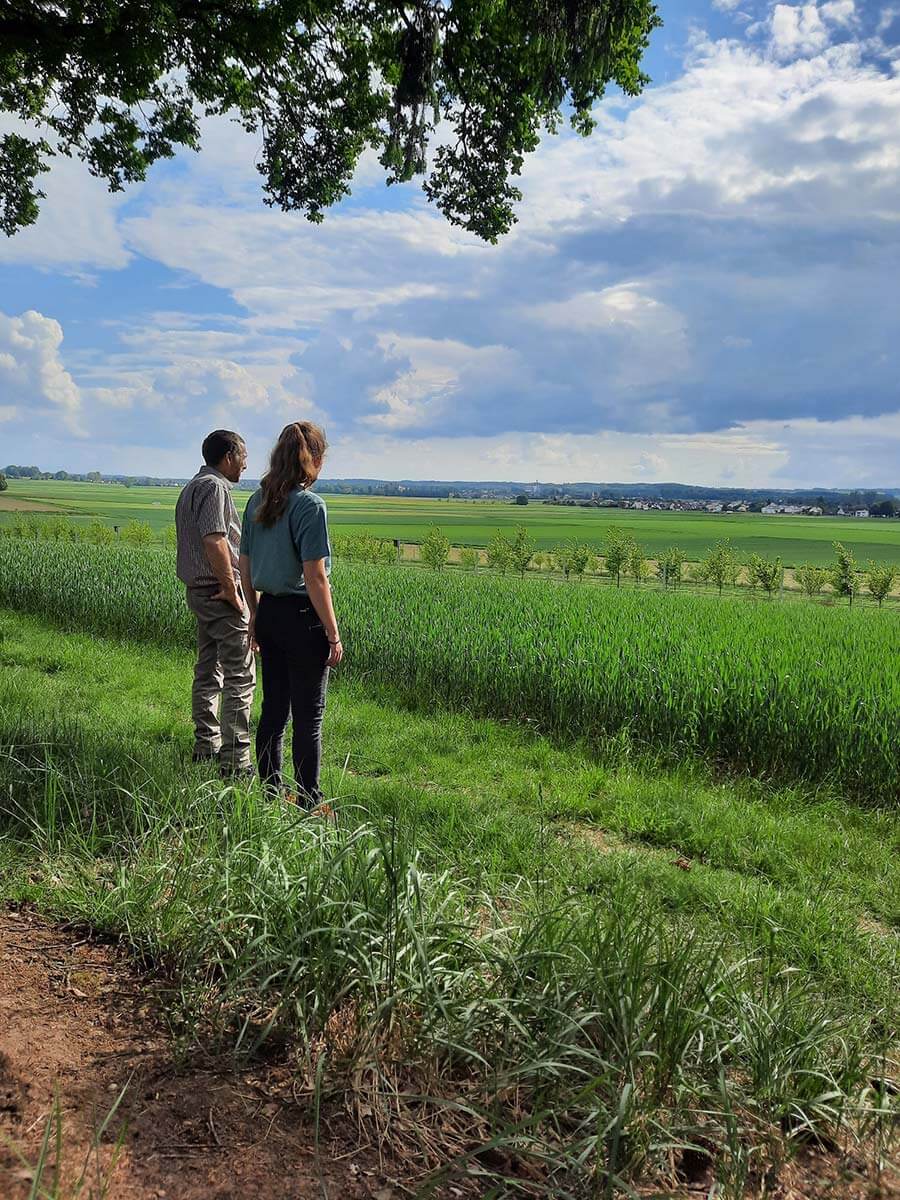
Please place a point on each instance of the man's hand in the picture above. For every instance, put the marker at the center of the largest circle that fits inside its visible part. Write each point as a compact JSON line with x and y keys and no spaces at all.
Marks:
{"x":230,"y":596}
{"x":251,"y":635}
{"x":218,"y":552}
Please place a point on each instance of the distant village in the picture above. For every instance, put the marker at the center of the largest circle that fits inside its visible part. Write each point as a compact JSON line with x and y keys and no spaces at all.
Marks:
{"x":719,"y":506}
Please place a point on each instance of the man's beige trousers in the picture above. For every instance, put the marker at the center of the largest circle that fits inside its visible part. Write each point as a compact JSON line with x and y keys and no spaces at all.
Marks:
{"x":225,"y":667}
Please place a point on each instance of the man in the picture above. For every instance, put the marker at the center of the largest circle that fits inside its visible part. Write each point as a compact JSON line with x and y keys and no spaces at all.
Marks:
{"x":209,"y":537}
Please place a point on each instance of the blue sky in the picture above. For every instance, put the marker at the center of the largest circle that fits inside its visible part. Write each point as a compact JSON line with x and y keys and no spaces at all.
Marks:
{"x":704,"y":290}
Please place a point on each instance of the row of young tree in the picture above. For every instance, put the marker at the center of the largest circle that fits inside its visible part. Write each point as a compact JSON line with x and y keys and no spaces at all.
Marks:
{"x":622,"y":556}
{"x":96,"y":533}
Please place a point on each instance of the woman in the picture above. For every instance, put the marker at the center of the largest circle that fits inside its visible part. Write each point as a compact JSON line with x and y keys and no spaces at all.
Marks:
{"x":285,"y":563}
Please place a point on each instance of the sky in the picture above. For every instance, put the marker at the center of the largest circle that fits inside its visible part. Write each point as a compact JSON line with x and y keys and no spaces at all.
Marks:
{"x":703,"y":291}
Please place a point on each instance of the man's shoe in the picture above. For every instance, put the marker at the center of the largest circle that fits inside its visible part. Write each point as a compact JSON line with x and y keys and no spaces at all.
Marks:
{"x":237,"y":774}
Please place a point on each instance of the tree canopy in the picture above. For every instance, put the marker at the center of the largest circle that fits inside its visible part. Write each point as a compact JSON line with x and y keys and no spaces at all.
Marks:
{"x":121,"y":84}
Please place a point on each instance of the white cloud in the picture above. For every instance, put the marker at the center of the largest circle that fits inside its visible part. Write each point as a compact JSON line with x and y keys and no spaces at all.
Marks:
{"x":438,"y":370}
{"x":77,"y":225}
{"x":854,"y":452}
{"x":32,"y":371}
{"x":840,"y":12}
{"x":650,"y":466}
{"x":798,"y":29}
{"x":648,"y":338}
{"x":286,"y":272}
{"x":738,"y":134}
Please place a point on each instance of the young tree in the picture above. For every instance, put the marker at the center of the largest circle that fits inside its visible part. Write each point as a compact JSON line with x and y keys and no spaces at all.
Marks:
{"x":499,"y":553}
{"x":562,"y":558}
{"x":435,"y":548}
{"x":385,"y":553}
{"x":764,"y":573}
{"x":720,"y":566}
{"x":102,"y":535}
{"x":121,"y":85}
{"x":616,"y":552}
{"x":637,"y":565}
{"x":521,"y":550}
{"x":579,"y":557}
{"x":880,"y":578}
{"x":468,"y":558}
{"x":811,"y":579}
{"x":670,"y":566}
{"x":137,"y":533}
{"x":843,"y":576}
{"x":3,"y":484}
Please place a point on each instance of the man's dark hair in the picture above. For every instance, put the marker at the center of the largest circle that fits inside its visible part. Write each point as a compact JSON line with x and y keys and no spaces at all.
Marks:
{"x":219,"y":443}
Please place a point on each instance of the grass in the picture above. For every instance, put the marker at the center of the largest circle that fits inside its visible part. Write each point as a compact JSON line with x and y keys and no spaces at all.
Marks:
{"x":799,"y":692}
{"x":473,"y":523}
{"x":459,"y":937}
{"x":53,"y":1173}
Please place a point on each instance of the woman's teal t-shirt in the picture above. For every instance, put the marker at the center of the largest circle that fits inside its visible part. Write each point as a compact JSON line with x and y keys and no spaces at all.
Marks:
{"x":277,"y":553}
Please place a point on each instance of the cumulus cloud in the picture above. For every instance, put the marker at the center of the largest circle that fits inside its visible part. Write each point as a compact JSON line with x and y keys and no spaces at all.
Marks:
{"x":76,"y":231}
{"x":716,"y":263}
{"x":798,"y":29}
{"x":840,"y":12}
{"x":32,"y":372}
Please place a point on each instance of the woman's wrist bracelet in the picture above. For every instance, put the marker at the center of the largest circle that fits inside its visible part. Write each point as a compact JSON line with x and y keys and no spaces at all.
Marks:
{"x":336,"y":642}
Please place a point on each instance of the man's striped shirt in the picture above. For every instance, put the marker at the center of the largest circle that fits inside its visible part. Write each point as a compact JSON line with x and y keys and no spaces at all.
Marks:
{"x":205,"y":506}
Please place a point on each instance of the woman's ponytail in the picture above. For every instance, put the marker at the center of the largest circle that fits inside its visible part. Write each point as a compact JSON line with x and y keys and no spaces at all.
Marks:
{"x":300,"y":447}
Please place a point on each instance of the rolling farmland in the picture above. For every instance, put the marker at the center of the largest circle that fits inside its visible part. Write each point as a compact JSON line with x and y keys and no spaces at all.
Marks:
{"x":793,"y":539}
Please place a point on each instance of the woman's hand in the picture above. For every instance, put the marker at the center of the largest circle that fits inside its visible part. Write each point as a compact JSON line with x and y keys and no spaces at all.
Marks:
{"x":335,"y":652}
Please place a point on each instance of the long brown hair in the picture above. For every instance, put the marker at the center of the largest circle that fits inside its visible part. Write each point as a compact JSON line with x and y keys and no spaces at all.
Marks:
{"x":299,"y":447}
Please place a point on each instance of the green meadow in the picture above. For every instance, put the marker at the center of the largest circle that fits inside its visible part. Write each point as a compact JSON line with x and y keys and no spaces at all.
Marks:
{"x":793,"y":539}
{"x":590,"y":963}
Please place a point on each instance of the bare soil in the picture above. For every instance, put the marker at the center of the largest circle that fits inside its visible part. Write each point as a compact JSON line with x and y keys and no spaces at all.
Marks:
{"x":77,"y":1024}
{"x":79,"y":1027}
{"x":18,"y":504}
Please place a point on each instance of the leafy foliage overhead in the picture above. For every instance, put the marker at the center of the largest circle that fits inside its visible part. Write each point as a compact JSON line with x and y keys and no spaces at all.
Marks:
{"x":123,"y":83}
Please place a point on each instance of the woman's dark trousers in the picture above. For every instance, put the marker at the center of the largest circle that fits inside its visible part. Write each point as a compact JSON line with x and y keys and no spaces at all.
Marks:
{"x":293,"y":650}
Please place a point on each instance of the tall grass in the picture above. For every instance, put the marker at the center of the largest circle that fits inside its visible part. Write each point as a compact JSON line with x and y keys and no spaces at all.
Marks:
{"x":543,"y":1038}
{"x":807,"y":693}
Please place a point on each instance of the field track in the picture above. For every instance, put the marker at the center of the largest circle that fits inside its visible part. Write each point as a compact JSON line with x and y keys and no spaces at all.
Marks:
{"x":78,"y":1022}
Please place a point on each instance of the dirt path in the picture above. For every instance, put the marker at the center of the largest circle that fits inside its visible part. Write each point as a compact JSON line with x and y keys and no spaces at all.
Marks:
{"x":76,"y":1023}
{"x":78,"y":1028}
